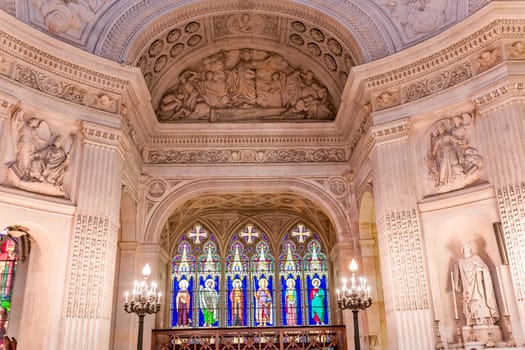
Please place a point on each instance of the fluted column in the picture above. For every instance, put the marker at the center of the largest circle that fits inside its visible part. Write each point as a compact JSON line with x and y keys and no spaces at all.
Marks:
{"x":89,"y":293}
{"x":405,"y":278}
{"x":501,"y":125}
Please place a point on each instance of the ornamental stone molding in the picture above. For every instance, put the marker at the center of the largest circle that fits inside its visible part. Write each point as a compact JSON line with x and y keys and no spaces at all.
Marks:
{"x":221,"y":156}
{"x":498,"y":93}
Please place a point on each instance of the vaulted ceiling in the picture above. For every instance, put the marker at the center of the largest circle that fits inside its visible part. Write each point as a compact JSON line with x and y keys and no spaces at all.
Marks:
{"x":186,"y":47}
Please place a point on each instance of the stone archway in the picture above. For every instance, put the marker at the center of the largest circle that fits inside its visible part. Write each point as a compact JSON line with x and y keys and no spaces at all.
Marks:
{"x":332,"y":208}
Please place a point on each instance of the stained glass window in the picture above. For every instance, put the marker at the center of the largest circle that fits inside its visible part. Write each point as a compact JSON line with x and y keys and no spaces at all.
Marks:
{"x":246,"y":280}
{"x":8,"y":265}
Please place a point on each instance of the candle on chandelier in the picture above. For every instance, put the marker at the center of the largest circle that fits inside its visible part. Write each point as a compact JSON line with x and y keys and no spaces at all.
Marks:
{"x":126,"y":295}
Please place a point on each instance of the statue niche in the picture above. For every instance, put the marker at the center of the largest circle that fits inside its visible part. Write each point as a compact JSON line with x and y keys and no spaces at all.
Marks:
{"x":38,"y":158}
{"x":245,"y":85}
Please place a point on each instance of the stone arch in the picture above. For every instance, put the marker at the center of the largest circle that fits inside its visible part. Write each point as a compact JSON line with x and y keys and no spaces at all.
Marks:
{"x":331,"y":207}
{"x":128,"y":210}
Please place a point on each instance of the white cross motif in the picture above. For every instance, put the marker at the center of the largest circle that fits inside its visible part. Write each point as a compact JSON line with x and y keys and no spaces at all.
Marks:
{"x":301,"y":232}
{"x":250,"y":233}
{"x":198,"y":233}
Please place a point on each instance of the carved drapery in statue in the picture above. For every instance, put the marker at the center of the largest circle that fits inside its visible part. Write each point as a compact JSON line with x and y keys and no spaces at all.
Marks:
{"x":452,"y":162}
{"x":245,"y":85}
{"x":36,"y":158}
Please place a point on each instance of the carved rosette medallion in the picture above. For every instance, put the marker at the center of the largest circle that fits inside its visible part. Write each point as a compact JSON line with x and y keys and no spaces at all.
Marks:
{"x":452,"y":162}
{"x":157,"y":188}
{"x":245,"y":85}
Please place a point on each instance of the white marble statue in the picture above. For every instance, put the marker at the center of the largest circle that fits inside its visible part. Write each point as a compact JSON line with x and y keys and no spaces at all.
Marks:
{"x":472,"y":278}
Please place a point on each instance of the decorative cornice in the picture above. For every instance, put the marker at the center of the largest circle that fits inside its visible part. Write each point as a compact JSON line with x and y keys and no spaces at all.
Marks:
{"x":247,"y":156}
{"x":391,"y":131}
{"x":100,"y":135}
{"x":499,"y":93}
{"x":284,"y":139}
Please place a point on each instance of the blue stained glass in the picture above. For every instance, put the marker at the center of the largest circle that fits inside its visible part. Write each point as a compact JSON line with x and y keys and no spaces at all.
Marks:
{"x":263,"y":301}
{"x":237,"y":316}
{"x":291,"y":301}
{"x":317,"y":300}
{"x":182,"y":303}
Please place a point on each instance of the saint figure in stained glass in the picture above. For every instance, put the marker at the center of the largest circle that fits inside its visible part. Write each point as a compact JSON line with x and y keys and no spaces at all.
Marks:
{"x":317,"y":296}
{"x":209,"y":299}
{"x":263,"y":304}
{"x":183,"y":302}
{"x":290,"y":303}
{"x":237,"y":303}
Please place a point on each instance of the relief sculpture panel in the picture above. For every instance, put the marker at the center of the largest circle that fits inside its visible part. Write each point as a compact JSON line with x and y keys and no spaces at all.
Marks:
{"x":36,"y":158}
{"x":452,"y":162}
{"x":245,"y":85}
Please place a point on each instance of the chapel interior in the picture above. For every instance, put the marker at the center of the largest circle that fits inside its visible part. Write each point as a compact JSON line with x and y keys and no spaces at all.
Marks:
{"x":262,"y":174}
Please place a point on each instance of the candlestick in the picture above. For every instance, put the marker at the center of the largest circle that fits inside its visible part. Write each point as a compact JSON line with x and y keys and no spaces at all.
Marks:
{"x":454,"y":296}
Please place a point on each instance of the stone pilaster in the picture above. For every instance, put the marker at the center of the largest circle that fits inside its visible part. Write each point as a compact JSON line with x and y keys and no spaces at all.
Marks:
{"x":501,"y":111}
{"x":405,"y":279}
{"x":89,"y":293}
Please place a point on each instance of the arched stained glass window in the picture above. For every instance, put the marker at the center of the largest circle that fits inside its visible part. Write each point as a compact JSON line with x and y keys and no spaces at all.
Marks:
{"x":196,"y":280}
{"x":303,"y":271}
{"x":9,"y":256}
{"x":241,"y":286}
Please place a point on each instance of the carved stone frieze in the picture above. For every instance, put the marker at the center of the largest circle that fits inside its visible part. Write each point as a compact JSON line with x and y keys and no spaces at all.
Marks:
{"x":516,"y":51}
{"x":37,"y":159}
{"x":246,"y":23}
{"x":452,"y":162}
{"x":246,"y":84}
{"x":507,"y":87}
{"x":246,"y":156}
{"x":437,"y":82}
{"x":386,"y":99}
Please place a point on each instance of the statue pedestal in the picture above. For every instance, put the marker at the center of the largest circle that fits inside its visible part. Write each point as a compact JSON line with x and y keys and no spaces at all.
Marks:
{"x":482,"y":334}
{"x":474,"y":346}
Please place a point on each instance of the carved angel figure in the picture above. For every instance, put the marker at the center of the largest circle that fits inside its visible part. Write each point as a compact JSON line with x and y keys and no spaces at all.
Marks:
{"x":452,"y":162}
{"x":39,"y":155}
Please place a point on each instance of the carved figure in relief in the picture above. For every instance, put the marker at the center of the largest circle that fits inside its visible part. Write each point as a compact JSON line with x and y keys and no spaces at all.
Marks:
{"x":63,"y":15}
{"x":472,"y":277}
{"x":39,"y":156}
{"x":488,"y":59}
{"x":452,"y":162}
{"x":245,"y":84}
{"x":418,"y":16}
{"x":516,"y":50}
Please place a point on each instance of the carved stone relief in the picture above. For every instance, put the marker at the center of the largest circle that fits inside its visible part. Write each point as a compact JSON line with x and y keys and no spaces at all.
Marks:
{"x":386,"y":99}
{"x":6,"y":65}
{"x":452,"y":162}
{"x":157,"y":188}
{"x":488,"y":59}
{"x":36,"y":158}
{"x":516,"y":51}
{"x":246,"y":156}
{"x":62,"y":15}
{"x":437,"y":82}
{"x":418,"y":17}
{"x":242,"y":85}
{"x":246,"y":24}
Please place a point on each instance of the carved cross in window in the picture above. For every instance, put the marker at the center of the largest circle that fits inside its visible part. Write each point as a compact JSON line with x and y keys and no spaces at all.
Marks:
{"x":301,"y":232}
{"x":249,"y":233}
{"x":198,"y":233}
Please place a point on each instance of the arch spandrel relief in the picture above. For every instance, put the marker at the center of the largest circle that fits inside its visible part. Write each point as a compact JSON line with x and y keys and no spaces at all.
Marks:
{"x":245,"y":85}
{"x":36,"y":158}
